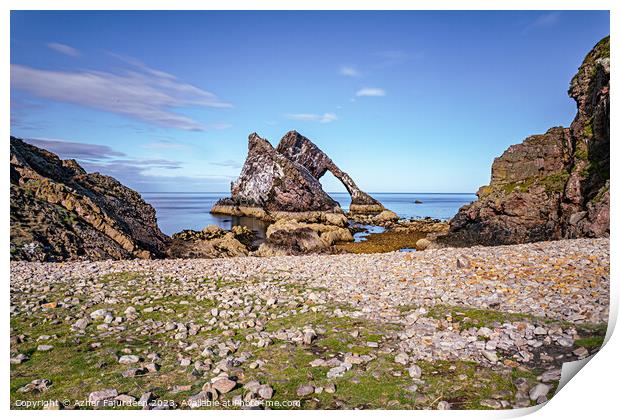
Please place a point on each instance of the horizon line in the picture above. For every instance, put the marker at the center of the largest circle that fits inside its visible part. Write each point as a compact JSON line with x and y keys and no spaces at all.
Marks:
{"x":328,"y":192}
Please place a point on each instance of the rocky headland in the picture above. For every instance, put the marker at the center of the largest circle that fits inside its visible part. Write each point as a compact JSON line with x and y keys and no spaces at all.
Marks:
{"x":59,"y":212}
{"x":554,"y":185}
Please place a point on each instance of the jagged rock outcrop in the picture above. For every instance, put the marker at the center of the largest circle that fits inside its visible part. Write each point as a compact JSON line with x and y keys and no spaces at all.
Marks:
{"x":301,"y":150}
{"x":554,"y":185}
{"x":61,"y":213}
{"x":283,"y":183}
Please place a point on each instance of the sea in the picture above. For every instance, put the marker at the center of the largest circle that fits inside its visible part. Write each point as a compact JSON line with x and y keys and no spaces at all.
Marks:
{"x":190,"y":210}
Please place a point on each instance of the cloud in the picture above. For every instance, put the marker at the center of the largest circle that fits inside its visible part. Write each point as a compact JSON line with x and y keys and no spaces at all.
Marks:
{"x":368,"y":91}
{"x":132,"y":172}
{"x":74,"y":150}
{"x":325,"y":118}
{"x":134,"y":176}
{"x":349,"y":71}
{"x":142,"y":93}
{"x":63,"y":49}
{"x":227,"y":163}
{"x":101,"y":156}
{"x":543,"y":20}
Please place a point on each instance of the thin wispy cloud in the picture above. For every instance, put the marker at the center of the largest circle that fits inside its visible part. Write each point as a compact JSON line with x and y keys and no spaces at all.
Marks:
{"x":322,"y":118}
{"x":349,"y":71}
{"x":369,"y":91}
{"x":140,"y":93}
{"x":63,"y":49}
{"x":133,"y":172}
{"x":542,"y":21}
{"x":21,"y":115}
{"x":227,"y":164}
{"x":76,"y":150}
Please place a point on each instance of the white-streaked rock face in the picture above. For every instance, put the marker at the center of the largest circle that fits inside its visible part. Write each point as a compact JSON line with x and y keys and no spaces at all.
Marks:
{"x":285,"y":180}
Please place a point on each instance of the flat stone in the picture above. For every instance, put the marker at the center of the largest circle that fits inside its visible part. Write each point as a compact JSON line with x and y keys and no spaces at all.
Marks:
{"x":551,"y":375}
{"x":401,"y":358}
{"x":99,"y":314}
{"x":443,"y":405}
{"x":265,"y":392}
{"x":491,"y":404}
{"x":128,"y":359}
{"x":330,"y":388}
{"x":415,"y":371}
{"x":491,"y":356}
{"x":540,"y":331}
{"x":581,"y":352}
{"x":539,"y":390}
{"x":305,"y":390}
{"x":224,"y":385}
{"x":99,"y":398}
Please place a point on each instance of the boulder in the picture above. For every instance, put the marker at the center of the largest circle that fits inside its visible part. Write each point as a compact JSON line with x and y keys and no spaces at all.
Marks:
{"x":330,"y":234}
{"x":385,"y":216}
{"x":228,"y":244}
{"x":302,"y":240}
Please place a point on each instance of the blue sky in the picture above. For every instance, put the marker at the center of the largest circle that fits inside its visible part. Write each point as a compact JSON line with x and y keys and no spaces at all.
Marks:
{"x":402,"y":101}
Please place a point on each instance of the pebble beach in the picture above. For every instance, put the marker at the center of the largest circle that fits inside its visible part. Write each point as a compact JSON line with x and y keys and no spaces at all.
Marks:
{"x":312,"y":328}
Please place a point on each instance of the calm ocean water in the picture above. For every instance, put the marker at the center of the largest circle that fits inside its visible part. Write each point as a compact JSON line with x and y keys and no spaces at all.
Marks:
{"x":177,"y":211}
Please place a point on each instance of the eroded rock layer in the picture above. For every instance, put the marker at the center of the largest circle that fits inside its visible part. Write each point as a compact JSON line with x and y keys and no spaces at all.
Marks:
{"x":60,"y":213}
{"x":554,"y":185}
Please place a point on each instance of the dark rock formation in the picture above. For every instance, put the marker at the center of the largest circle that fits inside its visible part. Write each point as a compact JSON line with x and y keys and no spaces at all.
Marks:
{"x":60,"y":213}
{"x":554,"y":185}
{"x":301,"y":150}
{"x":279,"y":182}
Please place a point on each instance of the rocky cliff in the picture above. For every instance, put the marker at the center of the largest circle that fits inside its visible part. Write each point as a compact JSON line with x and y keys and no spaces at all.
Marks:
{"x":554,"y":185}
{"x":60,"y":213}
{"x":283,"y":182}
